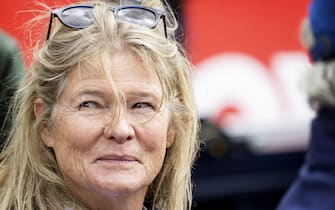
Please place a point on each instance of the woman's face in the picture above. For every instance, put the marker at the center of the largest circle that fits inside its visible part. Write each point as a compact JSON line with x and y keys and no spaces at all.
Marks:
{"x":100,"y":157}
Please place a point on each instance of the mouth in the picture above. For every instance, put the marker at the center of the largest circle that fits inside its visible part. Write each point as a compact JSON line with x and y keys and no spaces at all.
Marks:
{"x":118,"y":158}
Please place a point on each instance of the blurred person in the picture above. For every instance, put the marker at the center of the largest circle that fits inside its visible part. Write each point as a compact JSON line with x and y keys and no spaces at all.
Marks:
{"x":106,"y":117}
{"x":314,"y":187}
{"x":11,"y":72}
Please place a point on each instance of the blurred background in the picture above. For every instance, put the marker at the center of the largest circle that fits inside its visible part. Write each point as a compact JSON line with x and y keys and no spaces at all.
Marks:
{"x":248,"y":64}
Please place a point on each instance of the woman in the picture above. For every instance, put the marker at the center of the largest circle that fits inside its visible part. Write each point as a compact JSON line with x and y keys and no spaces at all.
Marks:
{"x":106,"y":119}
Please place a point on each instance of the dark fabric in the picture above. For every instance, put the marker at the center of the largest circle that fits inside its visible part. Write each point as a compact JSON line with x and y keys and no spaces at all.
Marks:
{"x":11,"y":71}
{"x":322,"y":19}
{"x":314,"y":189}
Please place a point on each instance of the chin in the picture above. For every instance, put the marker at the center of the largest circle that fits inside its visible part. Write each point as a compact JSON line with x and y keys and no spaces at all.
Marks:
{"x":121,"y":185}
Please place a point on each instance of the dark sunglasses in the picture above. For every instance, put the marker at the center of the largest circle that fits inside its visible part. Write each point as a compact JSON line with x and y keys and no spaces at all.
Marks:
{"x":80,"y":16}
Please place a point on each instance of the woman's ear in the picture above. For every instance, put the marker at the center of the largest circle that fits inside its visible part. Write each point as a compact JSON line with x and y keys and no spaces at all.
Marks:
{"x":46,"y":135}
{"x":38,"y":107}
{"x":170,"y":137}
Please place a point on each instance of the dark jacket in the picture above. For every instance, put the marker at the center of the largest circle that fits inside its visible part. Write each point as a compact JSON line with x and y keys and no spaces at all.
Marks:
{"x":314,"y":189}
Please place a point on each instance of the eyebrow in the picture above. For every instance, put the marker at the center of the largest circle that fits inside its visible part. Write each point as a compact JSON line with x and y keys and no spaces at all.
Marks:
{"x":91,"y":92}
{"x":135,"y":93}
{"x":144,"y":94}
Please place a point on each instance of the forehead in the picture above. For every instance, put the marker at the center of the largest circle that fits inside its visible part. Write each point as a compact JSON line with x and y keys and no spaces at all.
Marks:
{"x":116,"y":66}
{"x":126,"y":70}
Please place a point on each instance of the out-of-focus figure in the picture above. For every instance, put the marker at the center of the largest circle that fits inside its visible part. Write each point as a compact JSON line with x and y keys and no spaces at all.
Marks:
{"x":314,"y":188}
{"x":11,"y":71}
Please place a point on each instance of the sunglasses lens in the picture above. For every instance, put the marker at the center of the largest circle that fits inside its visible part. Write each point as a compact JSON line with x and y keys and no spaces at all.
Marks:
{"x":78,"y":17}
{"x":138,"y":16}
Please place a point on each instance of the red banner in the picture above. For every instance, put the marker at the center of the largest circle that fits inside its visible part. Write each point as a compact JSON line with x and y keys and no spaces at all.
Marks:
{"x":249,"y":63}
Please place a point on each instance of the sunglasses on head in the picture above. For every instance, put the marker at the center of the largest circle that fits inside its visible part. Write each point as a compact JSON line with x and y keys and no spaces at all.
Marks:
{"x":80,"y":16}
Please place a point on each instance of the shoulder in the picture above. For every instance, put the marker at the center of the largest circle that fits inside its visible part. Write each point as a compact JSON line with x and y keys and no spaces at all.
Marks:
{"x":11,"y":62}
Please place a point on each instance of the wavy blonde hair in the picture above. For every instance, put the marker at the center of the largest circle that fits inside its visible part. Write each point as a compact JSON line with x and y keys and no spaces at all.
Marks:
{"x":29,"y":175}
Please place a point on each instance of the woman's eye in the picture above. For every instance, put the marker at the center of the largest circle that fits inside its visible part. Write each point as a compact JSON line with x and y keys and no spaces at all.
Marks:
{"x":141,"y":105}
{"x":88,"y":104}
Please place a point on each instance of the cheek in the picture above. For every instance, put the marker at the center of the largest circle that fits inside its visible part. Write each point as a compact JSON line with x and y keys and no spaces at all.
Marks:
{"x":77,"y":133}
{"x":74,"y":154}
{"x":69,"y":159}
{"x":157,"y":132}
{"x":154,"y":137}
{"x":73,"y":142}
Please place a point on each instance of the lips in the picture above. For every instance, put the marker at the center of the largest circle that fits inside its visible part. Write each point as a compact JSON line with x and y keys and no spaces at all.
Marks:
{"x":125,"y":158}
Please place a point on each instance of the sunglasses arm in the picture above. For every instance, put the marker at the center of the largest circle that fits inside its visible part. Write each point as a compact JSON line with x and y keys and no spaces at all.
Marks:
{"x":49,"y":29}
{"x":165,"y":29}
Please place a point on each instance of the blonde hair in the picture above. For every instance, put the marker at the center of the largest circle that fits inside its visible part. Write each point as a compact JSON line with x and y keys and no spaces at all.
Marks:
{"x":29,"y":175}
{"x":319,"y":82}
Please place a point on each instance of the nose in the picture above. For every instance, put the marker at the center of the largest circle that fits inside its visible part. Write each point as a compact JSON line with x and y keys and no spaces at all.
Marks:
{"x":120,"y":131}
